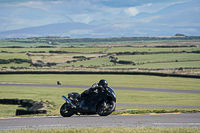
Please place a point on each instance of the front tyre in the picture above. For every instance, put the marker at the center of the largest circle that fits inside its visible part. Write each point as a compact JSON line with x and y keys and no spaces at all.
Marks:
{"x":106,"y":108}
{"x":66,"y":110}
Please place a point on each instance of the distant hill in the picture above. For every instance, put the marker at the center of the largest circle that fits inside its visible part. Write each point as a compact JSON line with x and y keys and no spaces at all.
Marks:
{"x":73,"y":29}
{"x":179,"y":18}
{"x":59,"y":29}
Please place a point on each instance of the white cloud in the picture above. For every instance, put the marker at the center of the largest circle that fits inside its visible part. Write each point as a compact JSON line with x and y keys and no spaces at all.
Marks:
{"x":132,"y":11}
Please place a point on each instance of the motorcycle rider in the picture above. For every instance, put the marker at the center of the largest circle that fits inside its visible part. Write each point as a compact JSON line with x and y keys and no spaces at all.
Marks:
{"x":101,"y":86}
{"x":98,"y":99}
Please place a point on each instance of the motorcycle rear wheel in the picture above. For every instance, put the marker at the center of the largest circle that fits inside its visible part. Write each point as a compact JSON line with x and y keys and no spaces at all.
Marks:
{"x":104,"y":111}
{"x":66,"y":110}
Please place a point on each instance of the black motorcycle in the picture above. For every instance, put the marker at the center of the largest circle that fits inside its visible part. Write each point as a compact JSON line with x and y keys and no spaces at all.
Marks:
{"x":99,"y":102}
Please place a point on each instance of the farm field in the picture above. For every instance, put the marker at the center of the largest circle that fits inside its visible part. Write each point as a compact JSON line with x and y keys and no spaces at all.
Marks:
{"x":160,"y":57}
{"x":100,"y":49}
{"x":91,"y":42}
{"x":46,"y":50}
{"x":101,"y":54}
{"x":140,"y":60}
{"x":25,"y":50}
{"x":13,"y":55}
{"x":60,"y":58}
{"x":15,"y":65}
{"x":102,"y":61}
{"x":64,"y":54}
{"x":188,"y":64}
{"x":84,"y":50}
{"x":151,"y":49}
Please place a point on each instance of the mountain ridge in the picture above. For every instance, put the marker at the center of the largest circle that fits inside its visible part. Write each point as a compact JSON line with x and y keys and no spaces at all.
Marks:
{"x":178,"y":18}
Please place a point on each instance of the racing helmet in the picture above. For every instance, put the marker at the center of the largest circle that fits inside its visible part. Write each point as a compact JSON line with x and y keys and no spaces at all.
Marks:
{"x":103,"y":83}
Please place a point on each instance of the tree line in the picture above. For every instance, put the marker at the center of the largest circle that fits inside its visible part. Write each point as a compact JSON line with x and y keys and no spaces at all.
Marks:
{"x":55,"y":41}
{"x":16,"y":60}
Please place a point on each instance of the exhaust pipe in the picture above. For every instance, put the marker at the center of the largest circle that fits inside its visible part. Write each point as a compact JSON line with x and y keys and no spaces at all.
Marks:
{"x":68,"y":101}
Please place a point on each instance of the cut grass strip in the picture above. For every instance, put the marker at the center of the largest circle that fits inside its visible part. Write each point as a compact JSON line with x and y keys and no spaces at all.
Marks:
{"x":108,"y":130}
{"x":154,"y":111}
{"x":53,"y":95}
{"x":113,"y":80}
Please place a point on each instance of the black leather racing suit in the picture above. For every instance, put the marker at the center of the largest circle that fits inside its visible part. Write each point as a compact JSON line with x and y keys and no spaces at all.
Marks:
{"x":94,"y":88}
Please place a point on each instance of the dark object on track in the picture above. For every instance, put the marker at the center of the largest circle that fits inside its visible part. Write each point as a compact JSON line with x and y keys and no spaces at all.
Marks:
{"x":33,"y":107}
{"x":29,"y":112}
{"x":58,"y":83}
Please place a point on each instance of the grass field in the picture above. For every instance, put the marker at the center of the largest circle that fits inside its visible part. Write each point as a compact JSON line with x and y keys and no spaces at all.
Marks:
{"x":95,"y":49}
{"x":102,"y":49}
{"x":4,"y":43}
{"x":69,"y":50}
{"x":140,"y":60}
{"x":84,"y":50}
{"x":151,"y":49}
{"x":27,"y":65}
{"x":14,"y":55}
{"x":147,"y":61}
{"x":109,"y":130}
{"x":92,"y":63}
{"x":159,"y":58}
{"x":123,"y":97}
{"x":24,"y":50}
{"x":59,"y":58}
{"x":159,"y":65}
{"x":114,"y":80}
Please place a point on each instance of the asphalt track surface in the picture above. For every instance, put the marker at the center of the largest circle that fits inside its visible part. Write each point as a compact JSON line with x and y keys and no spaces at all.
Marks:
{"x":189,"y":120}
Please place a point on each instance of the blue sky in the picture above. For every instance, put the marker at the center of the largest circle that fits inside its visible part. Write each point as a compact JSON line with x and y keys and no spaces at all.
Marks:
{"x":16,"y":14}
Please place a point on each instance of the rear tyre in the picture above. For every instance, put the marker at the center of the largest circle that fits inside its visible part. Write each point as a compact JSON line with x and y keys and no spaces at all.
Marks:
{"x":106,"y":108}
{"x":66,"y":110}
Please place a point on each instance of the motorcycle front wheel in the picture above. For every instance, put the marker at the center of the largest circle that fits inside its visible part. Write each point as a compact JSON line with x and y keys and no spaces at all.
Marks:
{"x":66,"y":110}
{"x":106,"y":108}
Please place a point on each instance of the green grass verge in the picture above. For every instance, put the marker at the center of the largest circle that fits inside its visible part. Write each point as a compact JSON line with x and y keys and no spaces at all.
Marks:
{"x":158,"y":98}
{"x":123,"y":97}
{"x":109,"y":130}
{"x":125,"y":108}
{"x":53,"y":95}
{"x":113,"y":80}
{"x":8,"y":110}
{"x":155,"y":111}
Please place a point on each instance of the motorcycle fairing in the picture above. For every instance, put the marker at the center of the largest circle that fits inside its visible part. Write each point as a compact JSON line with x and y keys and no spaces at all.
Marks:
{"x":90,"y":103}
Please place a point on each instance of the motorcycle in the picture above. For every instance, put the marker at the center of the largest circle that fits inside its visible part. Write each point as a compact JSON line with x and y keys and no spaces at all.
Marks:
{"x":101,"y":102}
